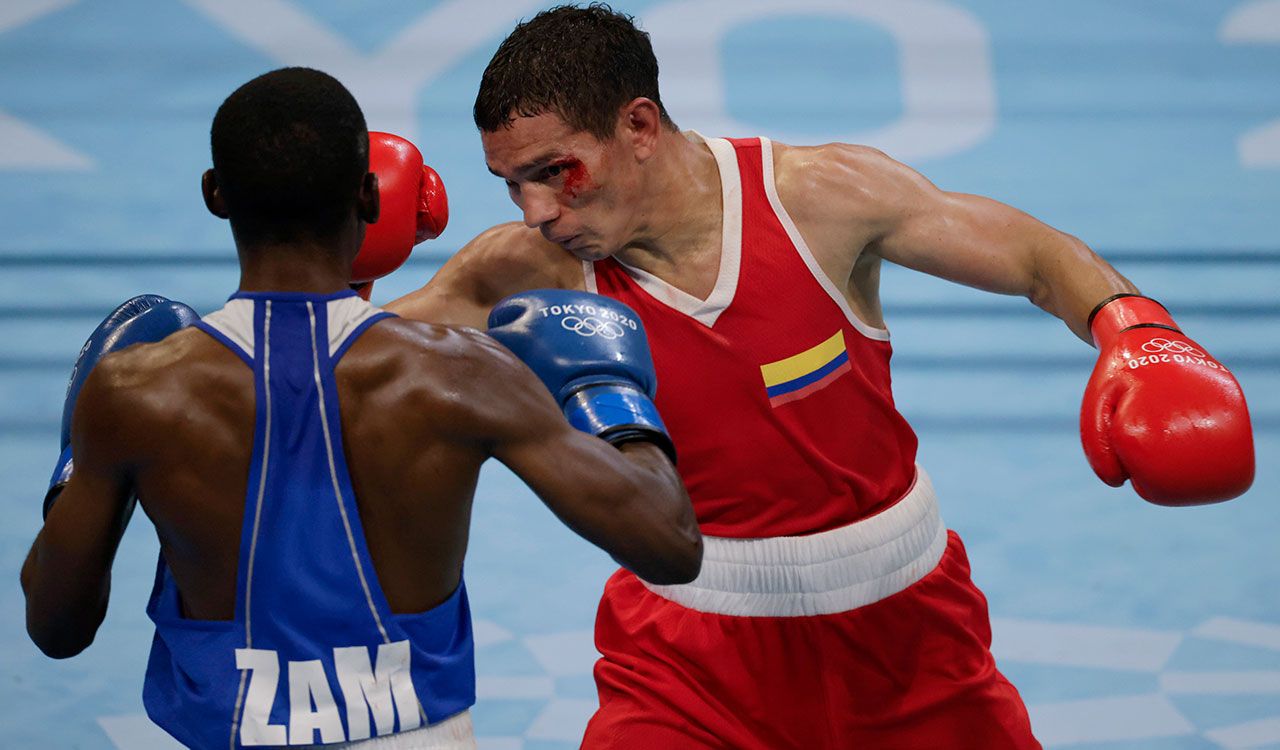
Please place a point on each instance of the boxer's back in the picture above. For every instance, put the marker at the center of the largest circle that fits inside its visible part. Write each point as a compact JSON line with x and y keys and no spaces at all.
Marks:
{"x":309,"y":462}
{"x":402,"y":389}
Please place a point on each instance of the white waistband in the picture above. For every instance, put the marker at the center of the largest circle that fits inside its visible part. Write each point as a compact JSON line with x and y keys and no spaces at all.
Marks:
{"x":832,"y":571}
{"x":453,"y":733}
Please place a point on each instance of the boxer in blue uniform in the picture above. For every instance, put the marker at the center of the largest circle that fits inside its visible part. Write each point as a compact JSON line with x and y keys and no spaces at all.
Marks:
{"x":309,"y":461}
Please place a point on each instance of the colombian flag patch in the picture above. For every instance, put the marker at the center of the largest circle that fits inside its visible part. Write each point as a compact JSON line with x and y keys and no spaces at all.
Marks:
{"x":811,"y":370}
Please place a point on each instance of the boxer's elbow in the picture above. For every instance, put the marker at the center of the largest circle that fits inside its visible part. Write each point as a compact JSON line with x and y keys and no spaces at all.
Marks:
{"x":673,"y":538}
{"x":55,"y":648}
{"x":681,"y":563}
{"x":60,"y":630}
{"x":58,"y":640}
{"x":673,"y":552}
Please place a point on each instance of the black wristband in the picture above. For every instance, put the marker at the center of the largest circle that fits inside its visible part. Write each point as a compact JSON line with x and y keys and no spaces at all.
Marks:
{"x":1098,"y":307}
{"x":637,"y":433}
{"x":1150,"y":325}
{"x":50,"y":497}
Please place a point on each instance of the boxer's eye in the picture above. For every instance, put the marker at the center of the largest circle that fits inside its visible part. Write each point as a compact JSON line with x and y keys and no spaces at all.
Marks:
{"x":550,"y":172}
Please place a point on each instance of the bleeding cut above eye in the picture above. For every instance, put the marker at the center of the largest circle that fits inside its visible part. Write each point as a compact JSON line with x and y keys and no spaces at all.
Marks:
{"x":576,"y":178}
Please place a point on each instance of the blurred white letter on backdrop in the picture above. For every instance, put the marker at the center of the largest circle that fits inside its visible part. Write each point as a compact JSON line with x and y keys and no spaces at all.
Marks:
{"x":948,"y":92}
{"x":386,"y":83}
{"x":23,"y":147}
{"x":1256,"y":22}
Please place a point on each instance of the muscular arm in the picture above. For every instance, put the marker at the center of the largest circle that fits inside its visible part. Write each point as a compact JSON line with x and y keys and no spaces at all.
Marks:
{"x":67,"y":575}
{"x":501,"y":261}
{"x":873,"y":202}
{"x":629,"y":502}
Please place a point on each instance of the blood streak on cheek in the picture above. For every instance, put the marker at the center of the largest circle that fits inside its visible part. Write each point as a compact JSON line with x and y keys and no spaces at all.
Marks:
{"x":576,"y":178}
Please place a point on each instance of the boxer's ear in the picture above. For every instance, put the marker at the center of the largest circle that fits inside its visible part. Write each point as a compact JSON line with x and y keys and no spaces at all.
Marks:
{"x":213,"y":199}
{"x":640,"y":124}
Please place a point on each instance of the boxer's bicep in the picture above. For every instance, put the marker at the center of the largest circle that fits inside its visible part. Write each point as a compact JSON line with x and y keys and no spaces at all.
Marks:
{"x":964,"y":238}
{"x":983,"y":243}
{"x":850,"y":200}
{"x":449,"y":298}
{"x":501,"y":261}
{"x":67,"y":575}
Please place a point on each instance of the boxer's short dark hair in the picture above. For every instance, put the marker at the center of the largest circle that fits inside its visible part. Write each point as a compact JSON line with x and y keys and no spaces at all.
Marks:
{"x":581,"y":63}
{"x":290,"y":149}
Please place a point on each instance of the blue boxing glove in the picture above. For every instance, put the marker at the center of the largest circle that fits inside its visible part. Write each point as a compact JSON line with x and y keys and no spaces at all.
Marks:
{"x":146,"y":318}
{"x":592,"y":354}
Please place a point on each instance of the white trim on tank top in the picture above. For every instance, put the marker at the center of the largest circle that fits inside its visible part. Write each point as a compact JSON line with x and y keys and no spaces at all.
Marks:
{"x":235,"y":321}
{"x":345,"y":315}
{"x":238,"y":712}
{"x":771,"y":190}
{"x":704,"y":311}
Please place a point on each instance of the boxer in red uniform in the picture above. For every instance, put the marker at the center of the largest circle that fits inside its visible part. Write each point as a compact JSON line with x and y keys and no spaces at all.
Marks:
{"x":834,"y":609}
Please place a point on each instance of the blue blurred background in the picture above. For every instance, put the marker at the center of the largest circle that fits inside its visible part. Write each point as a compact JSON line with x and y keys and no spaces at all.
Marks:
{"x":1150,"y":130}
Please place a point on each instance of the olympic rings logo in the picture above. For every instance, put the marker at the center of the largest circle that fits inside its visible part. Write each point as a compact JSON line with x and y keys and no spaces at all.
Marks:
{"x":590,"y":326}
{"x":1157,"y":345}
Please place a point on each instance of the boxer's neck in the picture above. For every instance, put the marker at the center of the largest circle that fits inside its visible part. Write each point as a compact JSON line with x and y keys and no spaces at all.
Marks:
{"x":294,"y":267}
{"x":678,"y":234}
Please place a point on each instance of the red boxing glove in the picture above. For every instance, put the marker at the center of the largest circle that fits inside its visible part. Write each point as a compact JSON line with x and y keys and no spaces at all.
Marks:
{"x":414,"y":207}
{"x":1161,"y":412}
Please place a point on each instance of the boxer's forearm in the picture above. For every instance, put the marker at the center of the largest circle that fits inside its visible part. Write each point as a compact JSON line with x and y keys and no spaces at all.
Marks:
{"x":62,"y":615}
{"x":1069,"y":280}
{"x":67,"y":575}
{"x":629,"y":502}
{"x":674,"y":523}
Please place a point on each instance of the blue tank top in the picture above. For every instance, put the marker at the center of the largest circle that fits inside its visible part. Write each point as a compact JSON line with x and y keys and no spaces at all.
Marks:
{"x":314,"y":654}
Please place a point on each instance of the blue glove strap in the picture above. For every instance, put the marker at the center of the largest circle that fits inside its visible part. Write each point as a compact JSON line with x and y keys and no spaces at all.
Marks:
{"x":61,"y":475}
{"x":618,"y":413}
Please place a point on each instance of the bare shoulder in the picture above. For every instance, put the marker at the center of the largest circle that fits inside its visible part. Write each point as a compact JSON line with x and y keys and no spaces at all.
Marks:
{"x":147,"y":366}
{"x":135,"y":390}
{"x":448,"y":375}
{"x":841,"y":182}
{"x":427,"y":351}
{"x":499,"y":262}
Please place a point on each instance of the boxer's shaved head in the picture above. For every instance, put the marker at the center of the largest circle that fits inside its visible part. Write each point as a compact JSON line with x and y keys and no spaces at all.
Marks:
{"x":290,"y":149}
{"x":581,"y":63}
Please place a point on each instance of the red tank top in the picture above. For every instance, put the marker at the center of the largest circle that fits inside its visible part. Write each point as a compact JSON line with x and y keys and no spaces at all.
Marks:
{"x":777,"y":396}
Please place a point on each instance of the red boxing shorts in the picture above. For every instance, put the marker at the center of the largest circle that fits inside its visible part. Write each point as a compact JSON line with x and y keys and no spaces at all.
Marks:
{"x":871,"y":636}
